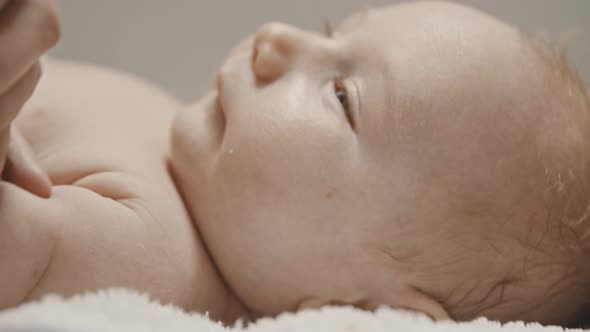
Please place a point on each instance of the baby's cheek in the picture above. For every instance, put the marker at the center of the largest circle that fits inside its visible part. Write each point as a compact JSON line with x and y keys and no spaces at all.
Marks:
{"x":252,"y":167}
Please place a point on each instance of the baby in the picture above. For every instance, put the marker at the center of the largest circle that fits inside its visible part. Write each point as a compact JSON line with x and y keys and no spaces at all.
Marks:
{"x":423,"y":156}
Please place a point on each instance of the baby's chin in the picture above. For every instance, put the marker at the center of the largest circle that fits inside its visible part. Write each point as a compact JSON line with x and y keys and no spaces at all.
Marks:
{"x":186,"y":152}
{"x":196,"y":134}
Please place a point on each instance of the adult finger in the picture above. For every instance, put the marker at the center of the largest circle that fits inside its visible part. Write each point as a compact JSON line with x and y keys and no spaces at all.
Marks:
{"x":23,"y":169}
{"x":12,"y":101}
{"x":27,"y":29}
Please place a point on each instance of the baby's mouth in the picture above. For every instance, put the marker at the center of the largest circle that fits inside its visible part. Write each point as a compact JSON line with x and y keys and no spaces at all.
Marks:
{"x":219,"y":115}
{"x":219,"y":107}
{"x":227,"y":81}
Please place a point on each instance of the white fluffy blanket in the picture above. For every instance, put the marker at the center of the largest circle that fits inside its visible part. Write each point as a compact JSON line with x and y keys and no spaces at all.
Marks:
{"x":125,"y":311}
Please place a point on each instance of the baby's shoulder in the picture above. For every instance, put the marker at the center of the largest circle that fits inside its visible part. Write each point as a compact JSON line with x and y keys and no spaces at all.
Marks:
{"x":102,"y":131}
{"x":102,"y":137}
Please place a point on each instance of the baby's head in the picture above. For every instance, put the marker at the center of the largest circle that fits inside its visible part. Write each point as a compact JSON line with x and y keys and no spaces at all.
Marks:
{"x":426,"y":156}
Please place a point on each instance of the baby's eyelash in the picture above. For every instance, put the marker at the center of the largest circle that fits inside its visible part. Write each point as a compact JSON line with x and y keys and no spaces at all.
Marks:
{"x":328,"y":30}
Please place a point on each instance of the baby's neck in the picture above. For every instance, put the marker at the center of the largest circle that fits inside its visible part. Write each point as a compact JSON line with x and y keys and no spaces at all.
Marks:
{"x":216,"y":296}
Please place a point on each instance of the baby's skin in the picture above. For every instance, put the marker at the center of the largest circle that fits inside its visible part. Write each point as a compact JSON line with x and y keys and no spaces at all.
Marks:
{"x":422,"y":156}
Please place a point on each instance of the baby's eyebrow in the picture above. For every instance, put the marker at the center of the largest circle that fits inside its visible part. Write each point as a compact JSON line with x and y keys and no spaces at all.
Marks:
{"x":328,"y":29}
{"x":355,"y":19}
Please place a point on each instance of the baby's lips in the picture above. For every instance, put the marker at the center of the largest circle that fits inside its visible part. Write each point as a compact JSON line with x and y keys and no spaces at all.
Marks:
{"x":219,"y":79}
{"x":223,"y":79}
{"x":218,"y":117}
{"x":234,"y":82}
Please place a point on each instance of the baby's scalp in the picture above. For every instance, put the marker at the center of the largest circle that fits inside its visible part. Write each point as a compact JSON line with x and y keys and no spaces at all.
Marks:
{"x":532,"y":262}
{"x":510,"y":232}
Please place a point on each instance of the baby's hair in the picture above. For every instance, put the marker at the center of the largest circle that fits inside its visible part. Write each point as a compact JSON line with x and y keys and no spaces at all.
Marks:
{"x":558,"y":243}
{"x":574,"y":224}
{"x":554,"y":55}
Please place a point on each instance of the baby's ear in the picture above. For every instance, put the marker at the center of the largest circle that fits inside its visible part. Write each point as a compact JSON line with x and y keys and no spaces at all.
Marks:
{"x":318,"y":302}
{"x":407,"y":299}
{"x":312,"y":303}
{"x":414,"y":300}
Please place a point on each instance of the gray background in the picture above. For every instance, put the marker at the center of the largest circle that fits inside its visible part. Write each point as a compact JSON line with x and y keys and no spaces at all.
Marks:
{"x":179,"y":43}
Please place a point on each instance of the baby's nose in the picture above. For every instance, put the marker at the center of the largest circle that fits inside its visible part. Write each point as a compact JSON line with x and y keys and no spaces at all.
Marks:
{"x":275,"y":47}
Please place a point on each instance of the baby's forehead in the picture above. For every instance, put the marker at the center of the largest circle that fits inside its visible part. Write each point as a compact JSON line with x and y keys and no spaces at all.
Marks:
{"x":436,"y":73}
{"x":352,"y":20}
{"x":427,"y":17}
{"x":428,"y":49}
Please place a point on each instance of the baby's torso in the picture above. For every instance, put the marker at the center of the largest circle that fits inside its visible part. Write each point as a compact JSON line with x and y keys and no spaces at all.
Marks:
{"x":103,"y":139}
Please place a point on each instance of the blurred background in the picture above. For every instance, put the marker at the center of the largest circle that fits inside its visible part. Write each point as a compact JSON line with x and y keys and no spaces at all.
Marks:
{"x":179,"y":43}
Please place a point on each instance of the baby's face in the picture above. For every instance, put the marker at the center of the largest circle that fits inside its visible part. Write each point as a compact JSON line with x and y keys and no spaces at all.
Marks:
{"x":372,"y":167}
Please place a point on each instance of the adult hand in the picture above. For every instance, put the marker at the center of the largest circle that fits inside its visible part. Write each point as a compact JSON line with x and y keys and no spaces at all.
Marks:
{"x":28,"y":28}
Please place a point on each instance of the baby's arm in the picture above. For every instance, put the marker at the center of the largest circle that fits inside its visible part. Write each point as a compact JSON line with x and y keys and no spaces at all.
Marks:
{"x":28,"y":230}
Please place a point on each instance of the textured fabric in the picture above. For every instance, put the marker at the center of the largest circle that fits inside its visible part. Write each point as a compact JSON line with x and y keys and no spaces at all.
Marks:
{"x":122,"y":310}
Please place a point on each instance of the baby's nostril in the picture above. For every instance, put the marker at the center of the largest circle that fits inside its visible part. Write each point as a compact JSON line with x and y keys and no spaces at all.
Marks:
{"x":254,"y":55}
{"x":266,"y":62}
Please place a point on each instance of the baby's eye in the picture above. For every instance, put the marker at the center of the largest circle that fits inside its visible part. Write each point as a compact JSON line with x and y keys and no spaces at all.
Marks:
{"x":342,"y":95}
